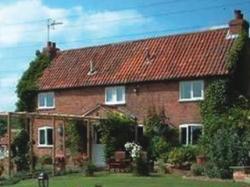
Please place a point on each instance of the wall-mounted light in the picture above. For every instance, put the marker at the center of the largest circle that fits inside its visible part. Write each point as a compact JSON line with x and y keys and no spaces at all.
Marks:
{"x":60,"y":130}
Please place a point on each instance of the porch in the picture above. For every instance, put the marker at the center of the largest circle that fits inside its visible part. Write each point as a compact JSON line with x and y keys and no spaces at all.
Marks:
{"x":92,"y":149}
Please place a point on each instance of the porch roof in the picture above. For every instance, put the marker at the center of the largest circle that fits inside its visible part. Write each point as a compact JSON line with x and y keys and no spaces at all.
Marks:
{"x":48,"y":115}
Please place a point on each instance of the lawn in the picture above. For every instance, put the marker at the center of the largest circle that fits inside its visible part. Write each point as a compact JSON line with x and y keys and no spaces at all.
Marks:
{"x":127,"y":180}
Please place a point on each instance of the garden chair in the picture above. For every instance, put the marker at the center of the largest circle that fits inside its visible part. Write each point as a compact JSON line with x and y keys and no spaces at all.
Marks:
{"x":119,"y":162}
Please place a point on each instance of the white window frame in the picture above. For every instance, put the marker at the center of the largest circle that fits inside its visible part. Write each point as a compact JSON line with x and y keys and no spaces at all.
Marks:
{"x":115,"y":102}
{"x":187,"y":132}
{"x":46,"y":136}
{"x":192,"y":98}
{"x":45,"y":101}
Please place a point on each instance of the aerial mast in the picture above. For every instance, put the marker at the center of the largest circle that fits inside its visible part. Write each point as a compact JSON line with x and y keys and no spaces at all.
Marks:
{"x":51,"y":25}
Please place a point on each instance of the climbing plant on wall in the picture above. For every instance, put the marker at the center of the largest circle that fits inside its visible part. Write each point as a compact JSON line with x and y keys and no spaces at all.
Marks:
{"x":226,"y":117}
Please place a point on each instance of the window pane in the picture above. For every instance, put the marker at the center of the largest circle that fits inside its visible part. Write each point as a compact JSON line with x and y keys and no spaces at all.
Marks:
{"x":50,"y":100}
{"x":49,"y":137}
{"x":183,"y":135}
{"x":197,"y":88}
{"x":41,"y":102}
{"x":109,"y":95}
{"x":196,"y":133}
{"x":42,"y":137}
{"x":189,"y":135}
{"x":185,"y":90}
{"x":120,"y":94}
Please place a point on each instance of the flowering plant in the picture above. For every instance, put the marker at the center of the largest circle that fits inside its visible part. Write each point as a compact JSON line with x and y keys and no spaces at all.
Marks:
{"x":133,"y":149}
{"x":140,"y":166}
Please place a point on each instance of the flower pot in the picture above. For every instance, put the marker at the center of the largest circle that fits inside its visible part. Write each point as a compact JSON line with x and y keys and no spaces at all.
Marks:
{"x":200,"y":159}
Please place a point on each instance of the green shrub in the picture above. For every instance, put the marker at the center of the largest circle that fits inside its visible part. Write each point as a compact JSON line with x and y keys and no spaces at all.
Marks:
{"x":180,"y":155}
{"x":213,"y":171}
{"x":161,"y":147}
{"x":197,"y":170}
{"x":227,"y":147}
{"x":141,"y":167}
{"x":116,"y":130}
{"x":90,"y":169}
{"x":9,"y":181}
{"x":159,"y":135}
{"x":46,"y":159}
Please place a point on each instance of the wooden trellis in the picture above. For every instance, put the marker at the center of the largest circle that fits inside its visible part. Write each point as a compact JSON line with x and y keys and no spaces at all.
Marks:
{"x":30,"y":117}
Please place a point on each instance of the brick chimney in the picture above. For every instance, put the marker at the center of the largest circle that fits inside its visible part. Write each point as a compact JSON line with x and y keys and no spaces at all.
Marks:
{"x":51,"y":49}
{"x":238,"y":24}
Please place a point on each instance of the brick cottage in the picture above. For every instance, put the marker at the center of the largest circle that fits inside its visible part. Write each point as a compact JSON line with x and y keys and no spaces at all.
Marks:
{"x":168,"y":73}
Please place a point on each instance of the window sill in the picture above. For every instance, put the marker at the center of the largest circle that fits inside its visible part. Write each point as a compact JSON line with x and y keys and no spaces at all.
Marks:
{"x":191,"y":100}
{"x":46,"y":108}
{"x":120,"y":103}
{"x":44,"y":146}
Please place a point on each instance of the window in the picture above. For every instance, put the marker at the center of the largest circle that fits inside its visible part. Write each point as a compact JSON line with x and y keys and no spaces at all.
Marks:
{"x":46,"y":100}
{"x":45,"y":137}
{"x":115,"y":95}
{"x":191,"y":90}
{"x":190,"y":133}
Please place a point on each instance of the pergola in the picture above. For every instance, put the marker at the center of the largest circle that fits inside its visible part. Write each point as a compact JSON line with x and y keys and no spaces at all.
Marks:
{"x":29,"y":118}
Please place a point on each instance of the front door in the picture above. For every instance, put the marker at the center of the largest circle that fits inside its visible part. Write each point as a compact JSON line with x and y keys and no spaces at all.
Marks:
{"x":98,"y":156}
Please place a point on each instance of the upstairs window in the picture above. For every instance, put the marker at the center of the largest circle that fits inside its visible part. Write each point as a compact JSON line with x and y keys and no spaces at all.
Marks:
{"x":115,"y":95}
{"x":191,"y":90}
{"x":46,"y":100}
{"x":190,"y":133}
{"x":45,"y":137}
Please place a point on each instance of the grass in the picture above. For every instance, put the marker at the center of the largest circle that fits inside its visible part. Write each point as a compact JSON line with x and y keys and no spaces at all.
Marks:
{"x":127,"y":180}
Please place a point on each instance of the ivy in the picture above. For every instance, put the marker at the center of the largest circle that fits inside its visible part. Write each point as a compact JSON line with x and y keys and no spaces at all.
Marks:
{"x":73,"y":137}
{"x":3,"y":127}
{"x":26,"y":92}
{"x":160,"y":136}
{"x":226,"y":117}
{"x":27,"y":86}
{"x":115,"y":131}
{"x":236,"y":52}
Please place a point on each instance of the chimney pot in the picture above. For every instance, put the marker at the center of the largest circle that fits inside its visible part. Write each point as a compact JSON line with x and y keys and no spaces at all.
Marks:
{"x":50,"y":50}
{"x":238,"y":14}
{"x":238,"y":24}
{"x":49,"y":44}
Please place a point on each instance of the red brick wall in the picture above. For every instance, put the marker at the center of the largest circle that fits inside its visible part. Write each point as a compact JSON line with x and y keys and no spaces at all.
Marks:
{"x":163,"y":95}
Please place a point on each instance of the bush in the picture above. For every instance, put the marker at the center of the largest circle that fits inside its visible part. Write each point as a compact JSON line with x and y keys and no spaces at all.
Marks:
{"x":159,"y":136}
{"x":1,"y":168}
{"x":161,"y":147}
{"x":10,"y":181}
{"x":115,"y":131}
{"x":213,"y":171}
{"x":46,"y":159}
{"x":90,"y":169}
{"x":197,"y":170}
{"x":178,"y":156}
{"x":141,"y":167}
{"x":227,"y":147}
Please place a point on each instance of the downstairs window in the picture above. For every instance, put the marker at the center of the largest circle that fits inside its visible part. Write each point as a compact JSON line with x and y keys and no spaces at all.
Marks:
{"x":190,"y":133}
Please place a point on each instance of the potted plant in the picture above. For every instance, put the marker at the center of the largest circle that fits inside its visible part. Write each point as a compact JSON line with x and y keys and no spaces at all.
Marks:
{"x":200,"y":156}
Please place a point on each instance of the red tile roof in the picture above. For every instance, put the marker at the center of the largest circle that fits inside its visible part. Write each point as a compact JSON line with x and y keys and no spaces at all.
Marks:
{"x":183,"y":56}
